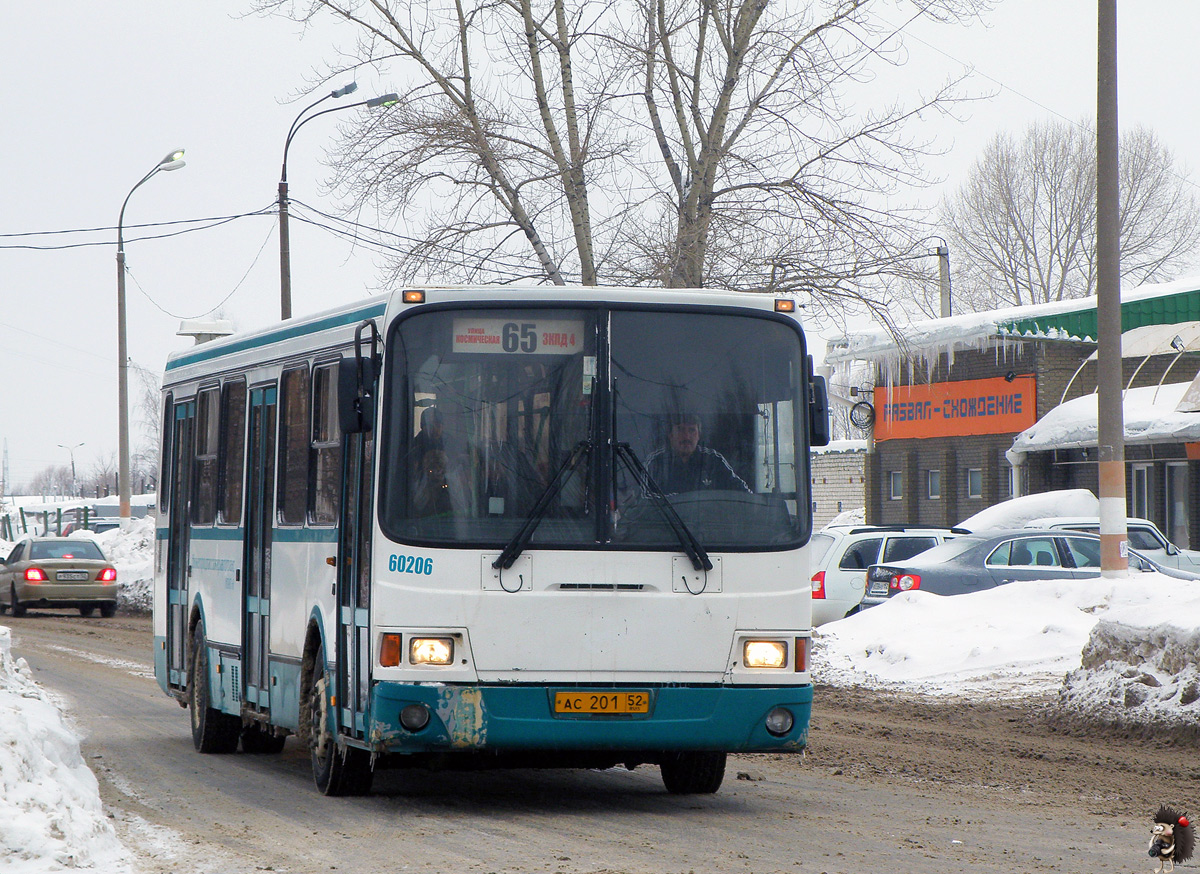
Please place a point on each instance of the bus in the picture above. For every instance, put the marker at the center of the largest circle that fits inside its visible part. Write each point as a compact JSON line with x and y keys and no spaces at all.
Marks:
{"x":494,"y":527}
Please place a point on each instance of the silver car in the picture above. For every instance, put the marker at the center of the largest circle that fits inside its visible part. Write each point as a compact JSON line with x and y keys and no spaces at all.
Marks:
{"x":975,"y":562}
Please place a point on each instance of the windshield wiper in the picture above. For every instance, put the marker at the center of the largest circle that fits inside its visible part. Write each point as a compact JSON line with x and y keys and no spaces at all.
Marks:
{"x":696,"y":552}
{"x":524,"y":534}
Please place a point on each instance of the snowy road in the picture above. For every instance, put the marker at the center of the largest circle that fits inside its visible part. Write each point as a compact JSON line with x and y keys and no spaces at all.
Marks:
{"x":891,"y":784}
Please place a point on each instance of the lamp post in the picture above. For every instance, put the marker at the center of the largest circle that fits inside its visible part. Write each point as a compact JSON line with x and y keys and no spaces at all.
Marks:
{"x":173,"y":161}
{"x":71,"y":450}
{"x":285,"y":250}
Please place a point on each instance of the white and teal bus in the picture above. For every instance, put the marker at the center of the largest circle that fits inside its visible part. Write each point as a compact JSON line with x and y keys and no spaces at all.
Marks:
{"x":476,"y":527}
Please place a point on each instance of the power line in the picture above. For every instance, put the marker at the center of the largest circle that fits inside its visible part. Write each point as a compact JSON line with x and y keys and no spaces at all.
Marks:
{"x":220,"y":303}
{"x":205,"y":224}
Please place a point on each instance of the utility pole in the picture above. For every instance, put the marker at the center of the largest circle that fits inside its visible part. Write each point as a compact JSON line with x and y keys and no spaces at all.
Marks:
{"x":943,"y":255}
{"x":1114,"y":542}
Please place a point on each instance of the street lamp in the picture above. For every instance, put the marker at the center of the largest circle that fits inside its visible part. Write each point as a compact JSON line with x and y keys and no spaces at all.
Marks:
{"x":173,"y":161}
{"x":285,"y":251}
{"x":71,"y":449}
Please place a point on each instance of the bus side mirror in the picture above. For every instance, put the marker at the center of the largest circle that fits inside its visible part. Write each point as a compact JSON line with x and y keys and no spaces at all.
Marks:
{"x":818,"y":412}
{"x":356,"y":394}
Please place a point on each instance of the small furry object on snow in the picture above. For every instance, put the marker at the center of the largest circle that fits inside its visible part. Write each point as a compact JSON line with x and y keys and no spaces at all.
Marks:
{"x":1172,"y":839}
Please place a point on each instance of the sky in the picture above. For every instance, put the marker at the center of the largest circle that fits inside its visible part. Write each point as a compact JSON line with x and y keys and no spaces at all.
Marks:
{"x":1021,"y":640}
{"x":95,"y":95}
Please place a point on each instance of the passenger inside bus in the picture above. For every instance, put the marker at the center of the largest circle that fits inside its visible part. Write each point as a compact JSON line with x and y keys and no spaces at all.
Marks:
{"x":439,"y":491}
{"x":431,"y":436}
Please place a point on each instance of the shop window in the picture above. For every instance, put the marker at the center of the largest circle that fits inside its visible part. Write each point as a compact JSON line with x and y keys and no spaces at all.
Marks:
{"x":935,"y":484}
{"x":975,"y":482}
{"x":1178,"y":515}
{"x":1141,"y":491}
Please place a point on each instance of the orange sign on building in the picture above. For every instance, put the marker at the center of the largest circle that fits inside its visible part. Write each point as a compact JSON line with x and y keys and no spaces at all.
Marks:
{"x":956,"y":409}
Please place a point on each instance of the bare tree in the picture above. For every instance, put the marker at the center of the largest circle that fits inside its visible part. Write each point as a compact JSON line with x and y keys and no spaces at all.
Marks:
{"x":149,"y":413}
{"x":641,"y":141}
{"x":1022,"y":226}
{"x":101,"y":477}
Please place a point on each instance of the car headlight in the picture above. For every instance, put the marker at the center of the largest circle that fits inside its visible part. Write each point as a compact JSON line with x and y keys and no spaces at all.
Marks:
{"x":431,"y":650}
{"x":764,"y":654}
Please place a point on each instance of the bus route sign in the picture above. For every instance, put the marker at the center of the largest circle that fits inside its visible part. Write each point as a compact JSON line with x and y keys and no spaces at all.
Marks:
{"x":518,"y":336}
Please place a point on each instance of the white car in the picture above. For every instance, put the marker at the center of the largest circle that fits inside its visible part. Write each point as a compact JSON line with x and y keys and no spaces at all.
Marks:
{"x":841,"y":555}
{"x":1144,"y":536}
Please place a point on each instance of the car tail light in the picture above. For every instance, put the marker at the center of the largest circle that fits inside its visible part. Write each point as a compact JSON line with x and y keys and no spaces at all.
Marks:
{"x":35,"y":575}
{"x":906,"y":582}
{"x":108,"y":575}
{"x":818,"y":584}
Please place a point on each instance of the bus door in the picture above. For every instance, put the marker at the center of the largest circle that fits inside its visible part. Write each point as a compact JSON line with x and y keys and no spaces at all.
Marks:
{"x":182,"y":426}
{"x":260,"y":511}
{"x":354,"y":582}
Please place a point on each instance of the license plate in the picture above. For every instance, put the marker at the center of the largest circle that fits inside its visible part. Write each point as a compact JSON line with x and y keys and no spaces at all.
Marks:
{"x":878,"y":589}
{"x":72,"y":575}
{"x":601,"y":702}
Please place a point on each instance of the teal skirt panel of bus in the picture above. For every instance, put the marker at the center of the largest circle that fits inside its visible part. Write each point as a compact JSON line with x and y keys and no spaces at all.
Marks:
{"x":729,"y":718}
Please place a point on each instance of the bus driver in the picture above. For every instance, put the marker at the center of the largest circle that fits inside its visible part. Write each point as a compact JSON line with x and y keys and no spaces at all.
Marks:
{"x":686,"y":466}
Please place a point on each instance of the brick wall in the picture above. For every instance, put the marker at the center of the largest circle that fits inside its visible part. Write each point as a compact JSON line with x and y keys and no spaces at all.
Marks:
{"x":838,"y":483}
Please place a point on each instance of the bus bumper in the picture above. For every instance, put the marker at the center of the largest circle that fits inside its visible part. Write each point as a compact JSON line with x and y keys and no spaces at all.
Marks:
{"x":515,"y":718}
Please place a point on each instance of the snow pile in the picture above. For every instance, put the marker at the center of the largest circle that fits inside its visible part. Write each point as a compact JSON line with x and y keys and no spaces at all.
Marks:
{"x":51,"y":818}
{"x":132,"y":554}
{"x":1141,"y":675}
{"x":1015,"y":512}
{"x":1128,"y":648}
{"x":856,"y":517}
{"x":1150,"y":416}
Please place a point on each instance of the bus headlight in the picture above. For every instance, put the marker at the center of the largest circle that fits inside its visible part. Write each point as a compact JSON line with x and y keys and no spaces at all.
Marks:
{"x":431,"y":650}
{"x":764,"y":654}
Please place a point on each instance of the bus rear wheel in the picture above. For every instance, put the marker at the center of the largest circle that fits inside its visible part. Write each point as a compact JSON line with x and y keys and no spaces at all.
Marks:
{"x":337,"y":772}
{"x":212,"y":730}
{"x":693,"y":773}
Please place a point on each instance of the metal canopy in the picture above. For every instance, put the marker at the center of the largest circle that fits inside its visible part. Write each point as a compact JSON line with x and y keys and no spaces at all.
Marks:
{"x":1158,"y":340}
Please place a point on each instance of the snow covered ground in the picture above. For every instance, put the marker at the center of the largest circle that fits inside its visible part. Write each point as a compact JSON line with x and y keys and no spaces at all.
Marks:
{"x":51,"y":818}
{"x":1115,"y":649}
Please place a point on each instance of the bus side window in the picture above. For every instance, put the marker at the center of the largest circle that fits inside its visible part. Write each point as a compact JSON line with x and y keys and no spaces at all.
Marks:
{"x":326,"y":488}
{"x":292,"y":490}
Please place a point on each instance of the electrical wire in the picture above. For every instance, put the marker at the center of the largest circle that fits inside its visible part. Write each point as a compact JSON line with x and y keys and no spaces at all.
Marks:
{"x":205,"y":224}
{"x":222,"y":302}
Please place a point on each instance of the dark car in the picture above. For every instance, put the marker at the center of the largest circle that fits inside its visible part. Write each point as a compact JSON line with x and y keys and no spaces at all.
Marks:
{"x":975,"y":562}
{"x":57,"y":572}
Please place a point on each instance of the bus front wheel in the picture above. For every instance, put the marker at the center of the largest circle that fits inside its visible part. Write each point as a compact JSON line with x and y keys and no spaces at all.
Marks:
{"x":336,"y":771}
{"x":212,"y":730}
{"x":693,"y":773}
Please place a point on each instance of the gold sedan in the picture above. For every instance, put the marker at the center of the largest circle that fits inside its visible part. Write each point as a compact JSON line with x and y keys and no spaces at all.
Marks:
{"x":55,"y":572}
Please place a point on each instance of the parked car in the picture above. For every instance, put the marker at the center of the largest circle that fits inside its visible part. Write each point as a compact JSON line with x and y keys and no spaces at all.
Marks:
{"x":975,"y":562}
{"x":56,"y":572}
{"x":842,"y":554}
{"x":1144,"y":536}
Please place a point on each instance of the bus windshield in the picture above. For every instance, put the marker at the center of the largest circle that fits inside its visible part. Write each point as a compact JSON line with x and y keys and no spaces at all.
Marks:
{"x":592,"y":428}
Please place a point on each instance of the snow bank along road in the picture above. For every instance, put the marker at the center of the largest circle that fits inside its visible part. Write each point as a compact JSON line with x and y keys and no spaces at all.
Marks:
{"x":892,"y":783}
